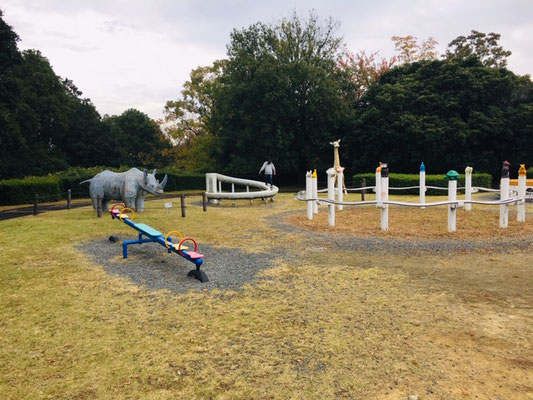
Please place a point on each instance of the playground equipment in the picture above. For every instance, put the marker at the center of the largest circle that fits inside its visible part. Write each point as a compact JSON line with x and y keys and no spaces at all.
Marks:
{"x":381,"y":188}
{"x":147,"y":234}
{"x":213,"y":183}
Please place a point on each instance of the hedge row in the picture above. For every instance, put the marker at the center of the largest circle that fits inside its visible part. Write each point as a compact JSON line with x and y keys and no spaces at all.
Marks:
{"x":22,"y":191}
{"x":54,"y":187}
{"x":398,"y":180}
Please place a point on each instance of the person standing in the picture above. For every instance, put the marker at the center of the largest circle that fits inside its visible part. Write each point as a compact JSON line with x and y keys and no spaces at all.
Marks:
{"x":270,"y":170}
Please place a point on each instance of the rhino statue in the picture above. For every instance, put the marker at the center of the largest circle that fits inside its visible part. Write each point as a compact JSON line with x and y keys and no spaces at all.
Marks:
{"x":131,"y":187}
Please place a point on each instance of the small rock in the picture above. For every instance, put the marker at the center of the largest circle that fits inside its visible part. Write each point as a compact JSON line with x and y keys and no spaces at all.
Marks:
{"x":412,"y":397}
{"x":114,"y":238}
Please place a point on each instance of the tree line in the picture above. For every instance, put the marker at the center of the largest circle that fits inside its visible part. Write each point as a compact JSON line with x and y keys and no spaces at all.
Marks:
{"x":284,"y":90}
{"x":46,"y":125}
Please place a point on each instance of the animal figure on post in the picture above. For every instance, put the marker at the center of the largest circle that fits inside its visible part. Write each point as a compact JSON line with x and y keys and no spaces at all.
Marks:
{"x":131,"y":187}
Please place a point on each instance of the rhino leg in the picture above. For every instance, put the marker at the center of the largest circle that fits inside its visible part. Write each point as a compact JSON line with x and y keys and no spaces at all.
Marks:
{"x":96,"y":189}
{"x":130,"y":202}
{"x":139,"y":202}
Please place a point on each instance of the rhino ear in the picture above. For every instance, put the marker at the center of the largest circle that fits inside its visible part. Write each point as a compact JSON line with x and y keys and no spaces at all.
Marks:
{"x":153,"y":173}
{"x":164,"y":182}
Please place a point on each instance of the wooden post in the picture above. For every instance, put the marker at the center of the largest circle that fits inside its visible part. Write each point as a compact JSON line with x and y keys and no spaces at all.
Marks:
{"x":182,"y":198}
{"x":99,"y":206}
{"x":69,"y":198}
{"x":36,"y":205}
{"x":364,"y":190}
{"x":204,"y":201}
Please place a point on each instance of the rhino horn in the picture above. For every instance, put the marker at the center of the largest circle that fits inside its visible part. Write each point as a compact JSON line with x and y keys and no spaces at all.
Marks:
{"x":164,"y":182}
{"x":153,"y":173}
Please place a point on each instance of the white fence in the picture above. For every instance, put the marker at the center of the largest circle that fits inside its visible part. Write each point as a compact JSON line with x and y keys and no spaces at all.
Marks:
{"x":382,"y":202}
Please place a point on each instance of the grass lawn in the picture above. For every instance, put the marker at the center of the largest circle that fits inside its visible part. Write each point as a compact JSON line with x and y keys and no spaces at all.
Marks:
{"x":323,"y":323}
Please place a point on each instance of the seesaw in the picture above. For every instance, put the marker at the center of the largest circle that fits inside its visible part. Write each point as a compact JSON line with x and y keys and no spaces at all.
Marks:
{"x":147,"y":234}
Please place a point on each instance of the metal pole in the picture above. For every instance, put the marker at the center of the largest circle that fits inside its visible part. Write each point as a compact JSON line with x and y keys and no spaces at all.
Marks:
{"x":182,"y":198}
{"x":99,"y":206}
{"x":36,"y":205}
{"x":363,"y":191}
{"x":69,"y":198}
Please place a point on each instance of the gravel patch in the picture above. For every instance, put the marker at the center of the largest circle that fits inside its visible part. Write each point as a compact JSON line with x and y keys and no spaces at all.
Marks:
{"x":149,"y":265}
{"x":398,"y":246}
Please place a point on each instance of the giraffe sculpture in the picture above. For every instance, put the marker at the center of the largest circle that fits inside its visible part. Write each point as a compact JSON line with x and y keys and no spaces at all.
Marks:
{"x":337,"y":162}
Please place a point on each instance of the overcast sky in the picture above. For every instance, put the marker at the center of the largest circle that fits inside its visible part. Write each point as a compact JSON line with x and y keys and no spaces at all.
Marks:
{"x":137,"y":54}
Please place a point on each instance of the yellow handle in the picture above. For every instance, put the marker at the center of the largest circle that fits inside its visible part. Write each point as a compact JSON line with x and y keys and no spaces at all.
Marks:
{"x":170,"y":233}
{"x":122,"y":211}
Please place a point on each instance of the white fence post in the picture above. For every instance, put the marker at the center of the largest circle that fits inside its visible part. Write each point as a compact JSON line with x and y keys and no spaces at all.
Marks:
{"x":468,"y":188}
{"x":340,"y":194}
{"x":452,"y":177}
{"x":384,"y":189}
{"x":378,"y":185}
{"x":309,"y":194}
{"x":504,"y":195}
{"x":315,"y":191}
{"x":331,"y":196}
{"x":521,"y":207}
{"x":422,"y":184}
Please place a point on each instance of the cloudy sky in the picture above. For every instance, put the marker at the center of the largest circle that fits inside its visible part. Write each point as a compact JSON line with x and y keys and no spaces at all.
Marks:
{"x":137,"y":54}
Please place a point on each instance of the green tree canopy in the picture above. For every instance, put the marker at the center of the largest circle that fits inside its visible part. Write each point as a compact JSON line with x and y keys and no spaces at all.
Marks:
{"x":483,"y":46}
{"x":447,"y":114}
{"x":140,"y":140}
{"x":281,"y":95}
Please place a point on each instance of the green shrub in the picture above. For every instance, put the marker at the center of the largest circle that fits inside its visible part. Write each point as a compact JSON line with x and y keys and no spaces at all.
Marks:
{"x":399,"y":180}
{"x":54,"y":187}
{"x":23,"y":191}
{"x":178,"y":181}
{"x":529,"y":173}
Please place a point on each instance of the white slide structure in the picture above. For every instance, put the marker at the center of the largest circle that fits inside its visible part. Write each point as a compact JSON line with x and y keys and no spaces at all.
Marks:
{"x":213,"y":183}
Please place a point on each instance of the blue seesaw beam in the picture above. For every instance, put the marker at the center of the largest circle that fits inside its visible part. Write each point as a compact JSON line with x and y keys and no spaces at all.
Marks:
{"x":147,"y":234}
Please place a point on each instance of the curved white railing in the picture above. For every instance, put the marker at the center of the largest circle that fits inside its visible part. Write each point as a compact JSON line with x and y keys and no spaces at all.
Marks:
{"x":214,"y":182}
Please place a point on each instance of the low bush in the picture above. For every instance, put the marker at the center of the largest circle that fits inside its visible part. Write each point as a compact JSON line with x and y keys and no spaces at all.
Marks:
{"x":178,"y":181}
{"x":400,"y":180}
{"x":54,"y":186}
{"x":23,"y":191}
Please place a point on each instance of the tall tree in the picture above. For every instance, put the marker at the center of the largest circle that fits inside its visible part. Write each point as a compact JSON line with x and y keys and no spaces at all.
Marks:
{"x":187,"y":120}
{"x":364,"y":70}
{"x":483,"y":46}
{"x":281,"y":95}
{"x":140,"y":139}
{"x":447,"y":114}
{"x":409,"y":50}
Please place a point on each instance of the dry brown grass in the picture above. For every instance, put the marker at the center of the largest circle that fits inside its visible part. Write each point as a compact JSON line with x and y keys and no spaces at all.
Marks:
{"x":333,"y":324}
{"x":429,"y":223}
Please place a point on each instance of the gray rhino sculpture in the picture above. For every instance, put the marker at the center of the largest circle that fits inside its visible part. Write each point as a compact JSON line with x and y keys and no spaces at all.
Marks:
{"x":131,"y":187}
